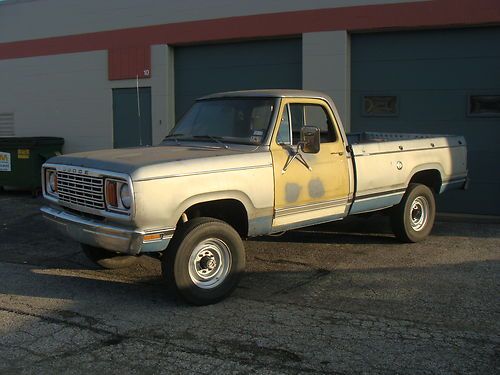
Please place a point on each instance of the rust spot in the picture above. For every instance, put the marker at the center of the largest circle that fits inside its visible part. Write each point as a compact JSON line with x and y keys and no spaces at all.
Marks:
{"x":316,"y":188}
{"x":292,"y":192}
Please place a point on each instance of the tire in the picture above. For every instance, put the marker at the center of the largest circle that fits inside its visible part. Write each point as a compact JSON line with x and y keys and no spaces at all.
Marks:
{"x":108,"y":259}
{"x":205,"y":261}
{"x":413,"y":218}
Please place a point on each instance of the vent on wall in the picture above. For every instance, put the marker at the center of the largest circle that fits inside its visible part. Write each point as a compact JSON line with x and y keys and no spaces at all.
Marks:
{"x":380,"y":105}
{"x":484,"y":105}
{"x":6,"y":124}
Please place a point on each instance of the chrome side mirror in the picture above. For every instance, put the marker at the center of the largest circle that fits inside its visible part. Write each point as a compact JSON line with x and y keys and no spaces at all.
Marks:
{"x":309,"y":139}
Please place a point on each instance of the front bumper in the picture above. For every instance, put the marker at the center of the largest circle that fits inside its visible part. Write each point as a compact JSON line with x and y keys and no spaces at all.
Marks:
{"x":110,"y":237}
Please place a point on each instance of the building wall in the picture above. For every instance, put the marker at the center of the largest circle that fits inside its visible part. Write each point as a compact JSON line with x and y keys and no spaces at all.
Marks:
{"x":326,"y":67}
{"x":70,"y":96}
{"x":64,"y":17}
{"x":61,"y":95}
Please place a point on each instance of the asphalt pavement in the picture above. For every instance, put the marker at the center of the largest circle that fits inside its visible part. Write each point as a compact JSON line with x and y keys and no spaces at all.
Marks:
{"x":345,"y":298}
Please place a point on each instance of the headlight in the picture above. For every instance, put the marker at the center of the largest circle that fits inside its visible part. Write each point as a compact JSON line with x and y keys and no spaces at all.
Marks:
{"x":118,"y":195}
{"x":51,"y":181}
{"x":125,"y":196}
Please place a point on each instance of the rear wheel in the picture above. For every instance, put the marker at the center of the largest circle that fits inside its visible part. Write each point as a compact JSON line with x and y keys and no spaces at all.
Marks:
{"x":413,"y":218}
{"x":205,"y":261}
{"x":108,"y":259}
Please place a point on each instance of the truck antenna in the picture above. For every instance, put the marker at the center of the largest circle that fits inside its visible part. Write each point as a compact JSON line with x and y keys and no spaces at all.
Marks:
{"x":138,"y":109}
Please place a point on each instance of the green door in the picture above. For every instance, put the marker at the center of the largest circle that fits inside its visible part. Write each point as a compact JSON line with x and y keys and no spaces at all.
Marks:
{"x":132,"y":117}
{"x":430,"y":82}
{"x":206,"y":69}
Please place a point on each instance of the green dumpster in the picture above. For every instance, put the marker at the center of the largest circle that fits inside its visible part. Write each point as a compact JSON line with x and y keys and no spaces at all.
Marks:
{"x":21,"y":159}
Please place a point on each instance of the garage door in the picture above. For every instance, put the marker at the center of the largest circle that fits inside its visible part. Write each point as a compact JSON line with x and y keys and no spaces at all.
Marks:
{"x":446,"y":82}
{"x":202,"y":70}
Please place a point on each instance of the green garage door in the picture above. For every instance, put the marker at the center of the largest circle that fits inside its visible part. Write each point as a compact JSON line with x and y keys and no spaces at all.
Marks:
{"x":202,"y":70}
{"x":446,"y":82}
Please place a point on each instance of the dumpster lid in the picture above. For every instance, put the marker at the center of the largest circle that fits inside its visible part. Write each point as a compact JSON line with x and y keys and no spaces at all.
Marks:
{"x":29,"y":142}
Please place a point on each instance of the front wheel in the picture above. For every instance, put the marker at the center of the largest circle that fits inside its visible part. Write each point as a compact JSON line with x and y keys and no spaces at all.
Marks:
{"x":204,"y":261}
{"x":108,"y":259}
{"x":413,"y":218}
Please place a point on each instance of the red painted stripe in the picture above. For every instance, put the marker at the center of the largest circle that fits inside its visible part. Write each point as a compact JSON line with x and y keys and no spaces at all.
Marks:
{"x":129,"y":62}
{"x":437,"y":13}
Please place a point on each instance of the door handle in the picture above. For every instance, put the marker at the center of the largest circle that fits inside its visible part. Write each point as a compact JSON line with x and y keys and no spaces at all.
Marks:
{"x":340,"y":153}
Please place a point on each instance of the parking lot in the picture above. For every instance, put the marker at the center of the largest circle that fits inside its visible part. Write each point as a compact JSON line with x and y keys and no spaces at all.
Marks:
{"x":342,"y":299}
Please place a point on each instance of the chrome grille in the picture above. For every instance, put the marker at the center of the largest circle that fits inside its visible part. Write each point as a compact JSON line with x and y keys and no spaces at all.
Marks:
{"x":81,"y":190}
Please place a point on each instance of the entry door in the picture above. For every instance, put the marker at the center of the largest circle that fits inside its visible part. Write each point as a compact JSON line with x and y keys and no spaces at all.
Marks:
{"x":131,"y":117}
{"x":306,"y":196}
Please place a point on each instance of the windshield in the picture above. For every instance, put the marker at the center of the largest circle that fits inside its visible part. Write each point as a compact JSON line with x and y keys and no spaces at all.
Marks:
{"x":238,"y":120}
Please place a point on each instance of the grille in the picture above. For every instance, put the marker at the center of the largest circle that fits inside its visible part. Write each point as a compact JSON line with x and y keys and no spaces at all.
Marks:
{"x":81,"y":190}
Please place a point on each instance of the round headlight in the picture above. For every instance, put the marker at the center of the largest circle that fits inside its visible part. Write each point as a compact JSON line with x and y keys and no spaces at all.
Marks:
{"x":52,"y":182}
{"x":125,"y":196}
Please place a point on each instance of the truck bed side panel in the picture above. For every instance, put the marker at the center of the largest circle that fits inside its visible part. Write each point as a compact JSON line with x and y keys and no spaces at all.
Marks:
{"x":385,"y":168}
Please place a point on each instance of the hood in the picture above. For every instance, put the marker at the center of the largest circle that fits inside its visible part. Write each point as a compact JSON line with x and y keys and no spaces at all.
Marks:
{"x":164,"y":161}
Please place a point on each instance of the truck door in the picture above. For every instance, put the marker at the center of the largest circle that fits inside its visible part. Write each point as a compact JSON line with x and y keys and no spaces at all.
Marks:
{"x":313,"y":188}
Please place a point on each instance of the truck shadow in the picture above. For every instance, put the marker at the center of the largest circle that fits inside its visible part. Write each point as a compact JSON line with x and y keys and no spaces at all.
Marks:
{"x":286,"y":304}
{"x":323,"y":287}
{"x":325,"y":237}
{"x":376,"y":229}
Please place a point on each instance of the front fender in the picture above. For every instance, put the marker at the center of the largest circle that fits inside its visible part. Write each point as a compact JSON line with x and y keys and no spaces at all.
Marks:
{"x":160,"y":203}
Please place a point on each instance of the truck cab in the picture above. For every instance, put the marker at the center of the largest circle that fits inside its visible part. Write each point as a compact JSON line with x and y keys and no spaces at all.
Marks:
{"x":317,"y":185}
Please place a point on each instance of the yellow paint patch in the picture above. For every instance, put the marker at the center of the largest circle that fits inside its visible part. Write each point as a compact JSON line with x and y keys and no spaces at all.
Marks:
{"x":23,"y":153}
{"x":329,"y":177}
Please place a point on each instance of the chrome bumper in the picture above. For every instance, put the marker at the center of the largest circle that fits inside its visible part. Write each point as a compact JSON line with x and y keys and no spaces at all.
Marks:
{"x":110,"y":237}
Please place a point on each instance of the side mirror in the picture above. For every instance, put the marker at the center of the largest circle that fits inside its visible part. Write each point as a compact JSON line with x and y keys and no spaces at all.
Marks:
{"x":309,"y":139}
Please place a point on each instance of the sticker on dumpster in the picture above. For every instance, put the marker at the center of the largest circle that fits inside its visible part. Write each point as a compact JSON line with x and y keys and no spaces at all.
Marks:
{"x":4,"y":162}
{"x":23,"y":153}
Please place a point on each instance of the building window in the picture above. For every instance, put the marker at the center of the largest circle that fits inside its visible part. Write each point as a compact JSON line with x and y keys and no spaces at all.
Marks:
{"x":380,"y":105}
{"x":6,"y":124}
{"x":484,"y":105}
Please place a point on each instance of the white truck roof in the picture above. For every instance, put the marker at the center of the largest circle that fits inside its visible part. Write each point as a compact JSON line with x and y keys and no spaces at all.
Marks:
{"x":270,"y":93}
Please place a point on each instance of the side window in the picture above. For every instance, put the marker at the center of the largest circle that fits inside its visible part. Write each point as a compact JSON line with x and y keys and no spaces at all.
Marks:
{"x":311,"y":115}
{"x":297,"y":114}
{"x":284,"y":129}
{"x":316,"y":116}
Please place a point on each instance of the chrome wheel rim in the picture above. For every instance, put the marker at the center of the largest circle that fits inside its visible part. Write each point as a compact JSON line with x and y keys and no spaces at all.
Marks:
{"x":419,"y":213}
{"x":210,"y":263}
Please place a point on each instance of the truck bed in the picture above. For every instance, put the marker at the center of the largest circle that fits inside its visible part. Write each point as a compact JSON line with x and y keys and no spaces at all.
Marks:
{"x":384,"y":163}
{"x":369,"y":143}
{"x":370,"y":137}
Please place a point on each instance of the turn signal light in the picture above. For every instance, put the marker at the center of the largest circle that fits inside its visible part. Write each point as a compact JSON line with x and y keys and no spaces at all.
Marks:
{"x":152,"y":237}
{"x":111,"y":196}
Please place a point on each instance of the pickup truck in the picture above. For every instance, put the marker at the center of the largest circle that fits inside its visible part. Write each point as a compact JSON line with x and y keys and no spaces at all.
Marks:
{"x":238,"y":165}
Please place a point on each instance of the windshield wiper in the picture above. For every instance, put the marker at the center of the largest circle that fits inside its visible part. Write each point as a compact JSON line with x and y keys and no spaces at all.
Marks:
{"x":211,"y":137}
{"x":175,"y":135}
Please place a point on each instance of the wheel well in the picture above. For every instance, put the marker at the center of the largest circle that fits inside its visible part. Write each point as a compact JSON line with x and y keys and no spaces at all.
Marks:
{"x":230,"y":211}
{"x":430,"y":178}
